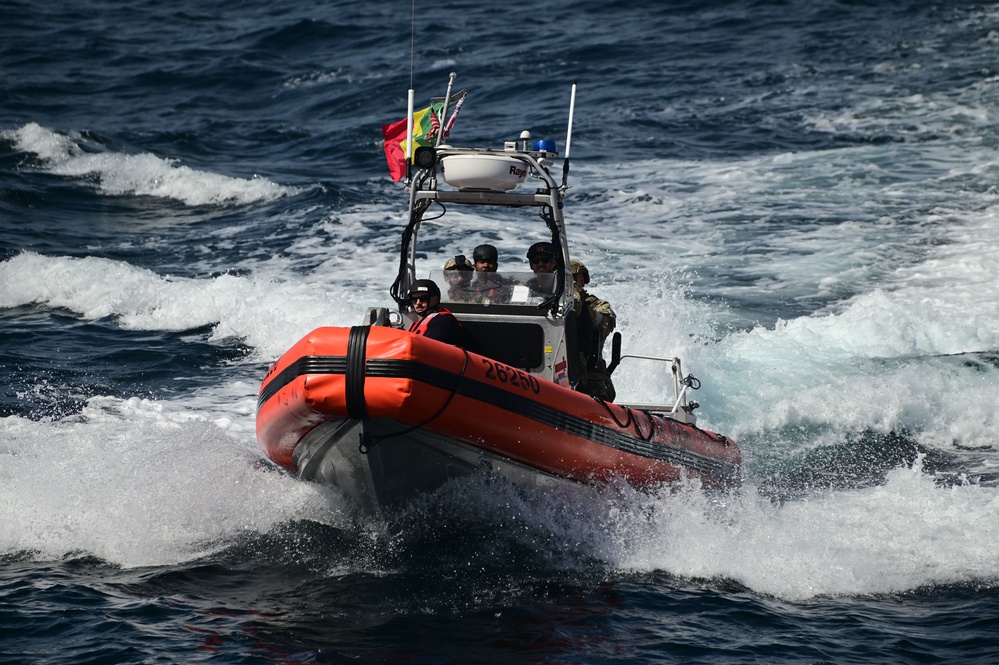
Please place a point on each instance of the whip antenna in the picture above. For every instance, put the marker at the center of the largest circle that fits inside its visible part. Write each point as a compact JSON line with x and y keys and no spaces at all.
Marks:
{"x":412,"y":43}
{"x":568,"y":136}
{"x":409,"y":104}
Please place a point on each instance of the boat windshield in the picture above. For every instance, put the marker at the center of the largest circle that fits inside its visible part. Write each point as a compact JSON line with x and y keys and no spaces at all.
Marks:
{"x":494,"y":288}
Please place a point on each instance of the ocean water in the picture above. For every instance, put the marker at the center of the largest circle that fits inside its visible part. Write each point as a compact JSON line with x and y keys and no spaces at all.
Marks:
{"x":799,"y":198}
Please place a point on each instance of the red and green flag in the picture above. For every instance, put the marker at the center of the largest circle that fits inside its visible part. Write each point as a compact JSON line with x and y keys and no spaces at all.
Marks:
{"x":426,"y":126}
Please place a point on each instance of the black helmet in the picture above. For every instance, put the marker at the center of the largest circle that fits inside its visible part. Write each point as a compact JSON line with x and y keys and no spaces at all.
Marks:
{"x":485,"y":253}
{"x":427,"y":286}
{"x":541,"y":249}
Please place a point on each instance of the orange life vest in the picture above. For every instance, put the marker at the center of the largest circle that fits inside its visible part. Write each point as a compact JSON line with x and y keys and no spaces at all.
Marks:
{"x":420,"y":327}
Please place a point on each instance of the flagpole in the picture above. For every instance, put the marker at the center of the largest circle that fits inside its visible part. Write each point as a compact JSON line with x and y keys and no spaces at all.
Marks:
{"x":454,"y":114}
{"x":409,"y":131}
{"x":443,"y":119}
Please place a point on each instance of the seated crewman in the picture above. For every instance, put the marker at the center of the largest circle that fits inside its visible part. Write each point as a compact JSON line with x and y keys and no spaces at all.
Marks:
{"x":488,"y":286}
{"x":435,"y":322}
{"x":541,"y":256}
{"x":458,"y":275}
{"x":486,"y":258}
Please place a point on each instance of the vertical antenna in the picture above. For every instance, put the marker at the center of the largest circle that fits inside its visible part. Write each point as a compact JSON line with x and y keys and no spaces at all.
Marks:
{"x":412,"y":43}
{"x":409,"y":104}
{"x":568,"y":136}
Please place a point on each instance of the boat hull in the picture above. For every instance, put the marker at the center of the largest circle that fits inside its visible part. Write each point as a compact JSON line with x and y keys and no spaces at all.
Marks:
{"x":385,"y":415}
{"x":383,"y":478}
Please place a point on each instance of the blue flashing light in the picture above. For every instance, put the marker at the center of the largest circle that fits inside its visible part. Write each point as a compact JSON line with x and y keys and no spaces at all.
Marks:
{"x":544,"y":145}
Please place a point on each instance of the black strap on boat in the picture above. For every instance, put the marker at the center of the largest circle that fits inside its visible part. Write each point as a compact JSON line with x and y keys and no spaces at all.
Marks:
{"x":368,"y":440}
{"x":357,"y":350}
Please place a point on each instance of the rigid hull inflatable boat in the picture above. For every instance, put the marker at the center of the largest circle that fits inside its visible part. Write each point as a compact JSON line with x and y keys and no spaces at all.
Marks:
{"x":385,"y":415}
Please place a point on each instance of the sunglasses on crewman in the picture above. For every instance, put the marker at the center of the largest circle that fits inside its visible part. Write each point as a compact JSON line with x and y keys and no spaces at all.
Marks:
{"x":420,"y":297}
{"x":541,"y":258}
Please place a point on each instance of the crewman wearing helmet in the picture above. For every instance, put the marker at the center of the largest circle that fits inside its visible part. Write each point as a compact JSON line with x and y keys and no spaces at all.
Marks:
{"x":541,"y":256}
{"x":486,"y":258}
{"x":596,"y":379}
{"x":488,"y":286}
{"x":435,"y":322}
{"x":458,"y":275}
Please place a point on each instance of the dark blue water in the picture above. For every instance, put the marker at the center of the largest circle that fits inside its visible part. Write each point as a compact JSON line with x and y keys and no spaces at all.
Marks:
{"x":799,"y":198}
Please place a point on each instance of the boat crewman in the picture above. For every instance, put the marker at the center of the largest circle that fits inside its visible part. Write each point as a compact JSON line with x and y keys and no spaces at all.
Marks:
{"x":489,"y":287}
{"x":458,"y":275}
{"x":435,"y":322}
{"x":485,"y":258}
{"x":596,"y":379}
{"x":541,"y":256}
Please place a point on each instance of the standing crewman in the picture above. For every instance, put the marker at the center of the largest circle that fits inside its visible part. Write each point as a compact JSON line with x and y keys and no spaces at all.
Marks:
{"x":597,"y":381}
{"x":435,"y":322}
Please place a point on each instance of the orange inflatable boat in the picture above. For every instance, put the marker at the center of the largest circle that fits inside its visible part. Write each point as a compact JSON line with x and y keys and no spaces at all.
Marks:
{"x":385,"y":414}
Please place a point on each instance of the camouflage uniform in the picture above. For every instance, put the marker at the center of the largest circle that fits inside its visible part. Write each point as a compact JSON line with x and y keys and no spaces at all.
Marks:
{"x":594,"y":379}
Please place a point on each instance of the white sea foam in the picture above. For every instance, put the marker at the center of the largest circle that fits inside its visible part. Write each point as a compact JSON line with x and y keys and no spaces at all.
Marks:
{"x":139,"y":483}
{"x":145,"y":483}
{"x":144,"y":174}
{"x":867,"y":361}
{"x":881,"y":360}
{"x":267,"y":315}
{"x":903,"y":535}
{"x":902,"y":261}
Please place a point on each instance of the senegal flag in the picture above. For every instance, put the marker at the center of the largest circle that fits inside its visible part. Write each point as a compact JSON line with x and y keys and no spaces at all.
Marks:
{"x":426,"y":125}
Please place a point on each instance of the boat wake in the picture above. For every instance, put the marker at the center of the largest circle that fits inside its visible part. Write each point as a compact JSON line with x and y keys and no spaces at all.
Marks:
{"x":143,"y":483}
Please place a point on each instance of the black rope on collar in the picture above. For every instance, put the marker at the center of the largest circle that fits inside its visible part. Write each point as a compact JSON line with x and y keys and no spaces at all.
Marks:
{"x":367,"y":440}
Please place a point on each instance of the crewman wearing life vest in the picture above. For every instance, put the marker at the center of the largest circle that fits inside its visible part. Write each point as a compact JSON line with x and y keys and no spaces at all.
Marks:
{"x":600,"y":319}
{"x":435,"y":322}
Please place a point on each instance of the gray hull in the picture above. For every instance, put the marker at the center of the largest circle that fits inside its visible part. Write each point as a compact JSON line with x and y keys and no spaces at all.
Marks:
{"x":382,"y":465}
